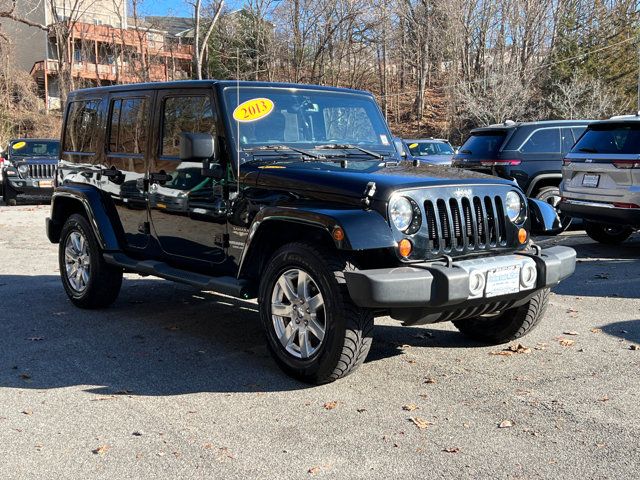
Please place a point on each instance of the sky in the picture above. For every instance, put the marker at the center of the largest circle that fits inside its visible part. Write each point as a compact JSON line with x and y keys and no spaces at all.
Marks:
{"x":178,"y":8}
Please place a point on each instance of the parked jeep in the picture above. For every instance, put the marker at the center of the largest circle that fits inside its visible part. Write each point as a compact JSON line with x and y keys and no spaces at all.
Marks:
{"x":294,"y":195}
{"x":531,"y":153}
{"x":602,"y":179}
{"x":28,"y":168}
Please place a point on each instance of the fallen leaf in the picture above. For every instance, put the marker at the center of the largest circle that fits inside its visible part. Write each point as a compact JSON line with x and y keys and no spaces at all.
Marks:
{"x":566,"y":343}
{"x":571,"y":332}
{"x":505,"y":424}
{"x":602,"y":276}
{"x":313,"y":470}
{"x":25,"y":376}
{"x":208,"y":446}
{"x":137,"y":433}
{"x":27,"y":412}
{"x":596,"y":330}
{"x":572,"y":310}
{"x":451,"y":450}
{"x":634,"y":347}
{"x":360,"y":410}
{"x":330,"y":405}
{"x":421,"y":423}
{"x":430,"y":380}
{"x":511,"y":349}
{"x":101,"y":450}
{"x":604,"y":399}
{"x":410,"y":407}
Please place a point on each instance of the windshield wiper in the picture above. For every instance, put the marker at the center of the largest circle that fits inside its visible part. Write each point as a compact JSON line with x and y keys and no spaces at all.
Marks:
{"x":275,"y":148}
{"x":588,"y":150}
{"x":337,"y":146}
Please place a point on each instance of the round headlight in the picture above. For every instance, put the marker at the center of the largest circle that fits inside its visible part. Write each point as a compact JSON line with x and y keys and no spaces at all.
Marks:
{"x":401,"y":212}
{"x":513,"y":205}
{"x":23,"y":169}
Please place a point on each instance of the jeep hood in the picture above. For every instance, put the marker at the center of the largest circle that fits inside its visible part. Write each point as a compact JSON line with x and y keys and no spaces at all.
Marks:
{"x":320,"y":178}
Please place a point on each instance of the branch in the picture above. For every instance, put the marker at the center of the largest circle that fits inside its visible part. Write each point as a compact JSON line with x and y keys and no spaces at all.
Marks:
{"x":205,"y":40}
{"x":11,"y":15}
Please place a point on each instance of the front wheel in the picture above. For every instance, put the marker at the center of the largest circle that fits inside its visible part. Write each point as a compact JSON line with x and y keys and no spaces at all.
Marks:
{"x":87,"y":279}
{"x":314,"y":331}
{"x":508,"y":325}
{"x":608,"y":234}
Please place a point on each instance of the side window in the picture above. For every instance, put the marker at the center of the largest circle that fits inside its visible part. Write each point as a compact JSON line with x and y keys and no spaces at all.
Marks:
{"x":82,"y":128}
{"x":185,"y":114}
{"x":543,"y":141}
{"x":567,"y":139}
{"x":128,"y":126}
{"x":577,"y":132}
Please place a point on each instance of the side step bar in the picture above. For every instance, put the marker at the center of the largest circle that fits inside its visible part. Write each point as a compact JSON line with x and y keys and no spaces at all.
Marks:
{"x":225,"y":285}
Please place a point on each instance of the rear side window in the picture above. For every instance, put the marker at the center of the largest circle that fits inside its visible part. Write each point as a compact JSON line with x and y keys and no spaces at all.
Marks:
{"x":567,"y":139}
{"x":577,"y":131}
{"x":128,"y":126}
{"x":543,"y":141}
{"x":192,"y":114}
{"x":485,"y":144}
{"x":82,"y":128}
{"x":610,"y":138}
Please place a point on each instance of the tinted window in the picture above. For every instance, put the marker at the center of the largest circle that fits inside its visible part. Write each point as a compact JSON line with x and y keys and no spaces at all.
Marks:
{"x":567,"y":139}
{"x":83,"y":121}
{"x":483,"y":145}
{"x":351,"y":124}
{"x":430,"y":148}
{"x":128,"y":130}
{"x":35,"y":149}
{"x":577,"y":131}
{"x":185,"y":114}
{"x":543,"y":141}
{"x":610,"y":138}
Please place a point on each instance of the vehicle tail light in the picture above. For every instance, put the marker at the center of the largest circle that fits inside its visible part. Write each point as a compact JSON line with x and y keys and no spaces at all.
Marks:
{"x":565,"y":162}
{"x":625,"y":205}
{"x":626,"y":164}
{"x":499,"y":163}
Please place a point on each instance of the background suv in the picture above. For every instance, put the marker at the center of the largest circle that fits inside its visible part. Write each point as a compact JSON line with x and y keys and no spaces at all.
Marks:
{"x":531,"y":153}
{"x":602,"y":179}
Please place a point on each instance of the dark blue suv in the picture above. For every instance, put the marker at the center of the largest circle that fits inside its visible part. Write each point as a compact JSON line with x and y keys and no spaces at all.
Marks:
{"x":531,"y":153}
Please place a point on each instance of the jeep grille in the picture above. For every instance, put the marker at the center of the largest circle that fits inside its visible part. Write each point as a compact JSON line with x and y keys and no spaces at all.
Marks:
{"x":459,"y":225}
{"x":42,"y":171}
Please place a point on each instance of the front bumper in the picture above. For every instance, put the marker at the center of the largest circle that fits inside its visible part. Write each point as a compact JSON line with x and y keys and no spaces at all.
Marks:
{"x":437,"y":285}
{"x":30,"y":187}
{"x":601,"y":212}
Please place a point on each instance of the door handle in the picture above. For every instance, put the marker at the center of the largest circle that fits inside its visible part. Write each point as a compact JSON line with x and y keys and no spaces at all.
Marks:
{"x":159,"y":177}
{"x":110,"y":172}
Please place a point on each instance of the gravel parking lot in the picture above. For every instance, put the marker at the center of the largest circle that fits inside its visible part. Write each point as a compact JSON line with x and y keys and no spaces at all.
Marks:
{"x":175,"y":383}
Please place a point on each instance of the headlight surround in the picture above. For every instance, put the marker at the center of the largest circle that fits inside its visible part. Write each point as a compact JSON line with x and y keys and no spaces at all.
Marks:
{"x":514,"y":206}
{"x":23,"y":169}
{"x":401,"y":212}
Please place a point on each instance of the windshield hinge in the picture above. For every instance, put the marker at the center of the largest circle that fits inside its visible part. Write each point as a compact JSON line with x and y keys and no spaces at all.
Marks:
{"x":369,"y":192}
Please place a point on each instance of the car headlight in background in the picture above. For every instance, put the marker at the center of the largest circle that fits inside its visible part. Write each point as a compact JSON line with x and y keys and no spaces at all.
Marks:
{"x":514,"y":206}
{"x":401,"y":212}
{"x":23,"y":169}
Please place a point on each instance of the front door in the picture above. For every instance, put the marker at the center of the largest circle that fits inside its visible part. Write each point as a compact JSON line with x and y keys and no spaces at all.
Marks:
{"x":187,"y":209}
{"x":127,"y":159}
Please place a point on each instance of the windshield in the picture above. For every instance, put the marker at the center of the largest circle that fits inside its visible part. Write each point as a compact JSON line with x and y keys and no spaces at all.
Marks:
{"x":430,"y":148}
{"x":483,"y":144}
{"x":610,"y":138}
{"x":305,"y":118}
{"x":29,"y":148}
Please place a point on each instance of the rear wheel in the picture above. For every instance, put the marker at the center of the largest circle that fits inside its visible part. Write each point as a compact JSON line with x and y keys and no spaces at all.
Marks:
{"x":508,"y":325}
{"x":552,"y":196}
{"x":87,"y":279}
{"x":608,"y":234}
{"x":314,"y":331}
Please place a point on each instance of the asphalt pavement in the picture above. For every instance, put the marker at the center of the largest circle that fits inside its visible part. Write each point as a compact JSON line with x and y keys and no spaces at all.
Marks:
{"x":175,"y":383}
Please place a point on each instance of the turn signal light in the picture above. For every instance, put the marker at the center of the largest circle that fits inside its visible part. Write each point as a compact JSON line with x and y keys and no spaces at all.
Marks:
{"x":522,"y":236}
{"x":338,"y":234}
{"x":405,"y":247}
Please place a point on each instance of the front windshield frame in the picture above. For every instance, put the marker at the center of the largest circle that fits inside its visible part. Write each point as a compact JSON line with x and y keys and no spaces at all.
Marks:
{"x":28,"y":152}
{"x":229,"y":102}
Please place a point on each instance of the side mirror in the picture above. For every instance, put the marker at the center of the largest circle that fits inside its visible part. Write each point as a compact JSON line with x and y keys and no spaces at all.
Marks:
{"x":544,"y":218}
{"x":399,"y":144}
{"x":200,"y":147}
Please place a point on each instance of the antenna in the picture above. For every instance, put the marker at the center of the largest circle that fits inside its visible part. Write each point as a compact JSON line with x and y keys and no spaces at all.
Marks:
{"x":237,"y":121}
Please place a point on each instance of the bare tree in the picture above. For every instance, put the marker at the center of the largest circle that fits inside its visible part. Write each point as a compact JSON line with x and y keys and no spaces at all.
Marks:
{"x":203,"y":24}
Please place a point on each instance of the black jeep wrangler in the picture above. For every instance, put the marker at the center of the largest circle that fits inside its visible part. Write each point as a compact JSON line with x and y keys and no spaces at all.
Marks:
{"x":294,"y":195}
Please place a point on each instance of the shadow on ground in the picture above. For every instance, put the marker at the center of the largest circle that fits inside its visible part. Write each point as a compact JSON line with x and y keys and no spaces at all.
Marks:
{"x":628,"y":330}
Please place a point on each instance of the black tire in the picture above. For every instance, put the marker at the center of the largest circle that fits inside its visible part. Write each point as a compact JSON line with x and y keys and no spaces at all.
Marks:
{"x":509,"y":325}
{"x":608,"y":234}
{"x":104,"y":280}
{"x":551,"y":195}
{"x":10,"y":196}
{"x":348,"y":328}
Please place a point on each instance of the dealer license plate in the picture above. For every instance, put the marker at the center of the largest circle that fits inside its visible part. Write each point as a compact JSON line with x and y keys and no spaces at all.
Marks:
{"x":590,"y":180}
{"x":45,"y":183}
{"x":503,"y":281}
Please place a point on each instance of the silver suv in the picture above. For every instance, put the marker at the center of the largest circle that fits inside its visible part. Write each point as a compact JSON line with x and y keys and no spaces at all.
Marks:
{"x":601,"y":179}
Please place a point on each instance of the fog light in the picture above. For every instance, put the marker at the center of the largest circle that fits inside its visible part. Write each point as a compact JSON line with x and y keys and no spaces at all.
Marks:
{"x":405,"y":247}
{"x":528,"y":276}
{"x":476,"y":283}
{"x":522,"y":235}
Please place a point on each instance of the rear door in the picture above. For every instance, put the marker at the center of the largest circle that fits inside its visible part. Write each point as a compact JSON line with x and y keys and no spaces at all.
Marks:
{"x":127,"y":159}
{"x":188,"y":210}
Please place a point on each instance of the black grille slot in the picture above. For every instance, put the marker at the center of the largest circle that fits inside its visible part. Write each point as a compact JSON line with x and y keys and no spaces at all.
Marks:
{"x":465,"y":224}
{"x":42,"y":171}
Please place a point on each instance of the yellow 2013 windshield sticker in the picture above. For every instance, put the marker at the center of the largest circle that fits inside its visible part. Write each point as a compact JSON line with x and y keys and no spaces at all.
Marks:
{"x":413,"y":145}
{"x":253,"y":110}
{"x":18,"y":145}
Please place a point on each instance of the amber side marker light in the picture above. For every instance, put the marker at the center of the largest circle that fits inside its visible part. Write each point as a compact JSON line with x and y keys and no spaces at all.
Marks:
{"x":522,"y":235}
{"x":338,"y":234}
{"x":405,"y":247}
